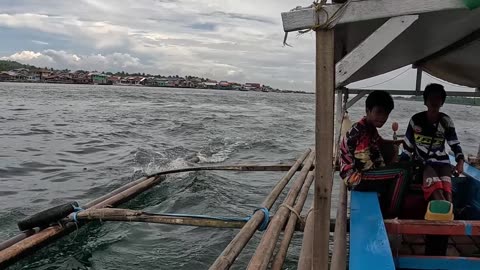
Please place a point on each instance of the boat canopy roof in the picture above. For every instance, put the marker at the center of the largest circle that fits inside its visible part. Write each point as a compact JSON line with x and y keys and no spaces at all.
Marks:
{"x":443,"y":38}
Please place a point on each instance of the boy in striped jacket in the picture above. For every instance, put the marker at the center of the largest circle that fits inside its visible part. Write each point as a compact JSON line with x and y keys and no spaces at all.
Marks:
{"x":425,"y":140}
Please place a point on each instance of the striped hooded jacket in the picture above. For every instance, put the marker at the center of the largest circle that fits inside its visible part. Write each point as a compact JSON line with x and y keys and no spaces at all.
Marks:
{"x":426,"y":141}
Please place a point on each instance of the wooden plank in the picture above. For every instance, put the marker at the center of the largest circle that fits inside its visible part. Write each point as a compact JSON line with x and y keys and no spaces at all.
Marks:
{"x":368,"y":237}
{"x":455,"y":227}
{"x":307,"y":18}
{"x":371,"y":46}
{"x":435,"y":262}
{"x":324,"y":124}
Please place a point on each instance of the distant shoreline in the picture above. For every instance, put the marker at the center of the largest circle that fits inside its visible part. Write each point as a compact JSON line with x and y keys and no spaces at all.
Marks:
{"x":170,"y":87}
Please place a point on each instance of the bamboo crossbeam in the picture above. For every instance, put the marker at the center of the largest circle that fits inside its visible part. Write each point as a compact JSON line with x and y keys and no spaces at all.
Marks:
{"x":240,"y":167}
{"x":231,"y":252}
{"x":127,"y":215}
{"x":115,"y":214}
{"x":51,"y":233}
{"x":340,"y":235}
{"x":290,"y":227}
{"x":265,"y":248}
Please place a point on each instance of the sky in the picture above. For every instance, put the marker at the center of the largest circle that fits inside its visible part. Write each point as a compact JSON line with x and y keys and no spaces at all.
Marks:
{"x":239,"y":41}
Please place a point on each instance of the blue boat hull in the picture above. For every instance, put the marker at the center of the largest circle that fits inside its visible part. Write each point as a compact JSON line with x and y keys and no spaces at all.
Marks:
{"x":371,"y":244}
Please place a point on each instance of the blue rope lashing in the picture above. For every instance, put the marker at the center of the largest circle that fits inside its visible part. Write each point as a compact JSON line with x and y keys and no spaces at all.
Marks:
{"x":76,"y":210}
{"x":266,"y":218}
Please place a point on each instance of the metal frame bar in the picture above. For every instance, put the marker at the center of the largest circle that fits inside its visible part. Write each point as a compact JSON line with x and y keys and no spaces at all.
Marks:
{"x":407,"y":92}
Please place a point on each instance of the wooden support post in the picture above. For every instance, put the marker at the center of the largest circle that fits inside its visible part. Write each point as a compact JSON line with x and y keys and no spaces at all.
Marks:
{"x":418,"y":84}
{"x":325,"y":95}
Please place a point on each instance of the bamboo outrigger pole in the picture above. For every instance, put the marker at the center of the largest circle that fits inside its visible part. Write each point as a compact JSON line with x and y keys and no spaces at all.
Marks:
{"x":231,"y":252}
{"x":265,"y":248}
{"x":324,"y":125}
{"x":24,"y":234}
{"x":279,"y":259}
{"x":51,"y":233}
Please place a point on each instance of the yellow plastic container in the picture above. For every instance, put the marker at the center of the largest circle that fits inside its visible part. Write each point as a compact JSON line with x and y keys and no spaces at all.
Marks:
{"x":439,"y":210}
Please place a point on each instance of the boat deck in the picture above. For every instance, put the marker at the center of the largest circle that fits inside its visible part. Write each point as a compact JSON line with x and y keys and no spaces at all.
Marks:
{"x":458,"y":246}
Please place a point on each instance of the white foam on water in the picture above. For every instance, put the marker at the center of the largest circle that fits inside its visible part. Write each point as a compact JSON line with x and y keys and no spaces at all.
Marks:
{"x":220,"y":156}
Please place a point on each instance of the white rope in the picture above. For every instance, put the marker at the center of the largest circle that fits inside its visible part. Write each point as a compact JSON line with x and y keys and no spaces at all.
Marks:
{"x":328,"y":24}
{"x":293,"y":211}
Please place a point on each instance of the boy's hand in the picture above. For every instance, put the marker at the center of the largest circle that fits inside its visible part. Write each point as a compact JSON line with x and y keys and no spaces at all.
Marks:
{"x":459,"y":166}
{"x":398,"y":142}
{"x":353,"y":179}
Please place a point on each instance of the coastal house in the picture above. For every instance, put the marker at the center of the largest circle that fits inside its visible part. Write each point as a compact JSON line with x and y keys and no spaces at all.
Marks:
{"x":133,"y":80}
{"x":252,"y":86}
{"x":98,"y":78}
{"x":209,"y":84}
{"x":6,"y":76}
{"x":81,"y":77}
{"x":113,"y":80}
{"x":12,"y":76}
{"x":43,"y":73}
{"x":235,"y":86}
{"x":161,"y":82}
{"x":224,"y":85}
{"x":33,"y":77}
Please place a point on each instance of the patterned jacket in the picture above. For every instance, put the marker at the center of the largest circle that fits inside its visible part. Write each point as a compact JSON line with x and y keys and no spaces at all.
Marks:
{"x":360,"y":151}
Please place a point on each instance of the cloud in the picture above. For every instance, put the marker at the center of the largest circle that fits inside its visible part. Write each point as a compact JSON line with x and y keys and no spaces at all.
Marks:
{"x":204,"y":26}
{"x":39,"y":42}
{"x":62,"y":59}
{"x":221,"y":39}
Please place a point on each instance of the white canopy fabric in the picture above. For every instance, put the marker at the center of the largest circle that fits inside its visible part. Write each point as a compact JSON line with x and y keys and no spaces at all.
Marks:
{"x":445,"y":44}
